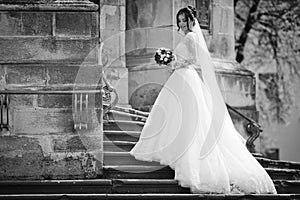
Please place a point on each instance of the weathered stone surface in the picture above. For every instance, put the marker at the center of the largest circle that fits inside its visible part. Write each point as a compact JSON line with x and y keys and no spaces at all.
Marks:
{"x":70,"y":24}
{"x":113,"y":48}
{"x":36,"y":121}
{"x":25,"y":158}
{"x":49,"y":5}
{"x":54,"y":101}
{"x":20,"y":157}
{"x":14,"y":23}
{"x":62,"y":74}
{"x":21,"y":100}
{"x":222,"y":41}
{"x":26,"y":75}
{"x":2,"y":77}
{"x":77,"y":143}
{"x":89,"y":75}
{"x":110,"y":17}
{"x":45,"y":49}
{"x":238,"y":89}
{"x":68,"y":168}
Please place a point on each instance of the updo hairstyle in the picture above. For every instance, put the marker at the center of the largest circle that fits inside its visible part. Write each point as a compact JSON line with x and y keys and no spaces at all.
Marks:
{"x":189,"y":13}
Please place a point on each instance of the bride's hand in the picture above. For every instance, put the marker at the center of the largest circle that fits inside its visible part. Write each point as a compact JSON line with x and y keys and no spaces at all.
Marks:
{"x":171,"y":67}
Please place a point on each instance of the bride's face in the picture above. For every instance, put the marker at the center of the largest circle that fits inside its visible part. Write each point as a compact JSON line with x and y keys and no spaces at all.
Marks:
{"x":183,"y":23}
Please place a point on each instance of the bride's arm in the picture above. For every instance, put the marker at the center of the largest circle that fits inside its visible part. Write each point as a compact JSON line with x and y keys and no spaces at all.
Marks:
{"x":184,"y":53}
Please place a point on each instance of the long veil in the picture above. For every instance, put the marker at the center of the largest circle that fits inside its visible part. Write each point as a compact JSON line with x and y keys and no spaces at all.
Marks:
{"x":204,"y":59}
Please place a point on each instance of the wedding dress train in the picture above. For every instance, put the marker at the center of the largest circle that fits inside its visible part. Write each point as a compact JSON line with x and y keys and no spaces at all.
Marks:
{"x":182,"y":109}
{"x":183,"y":116}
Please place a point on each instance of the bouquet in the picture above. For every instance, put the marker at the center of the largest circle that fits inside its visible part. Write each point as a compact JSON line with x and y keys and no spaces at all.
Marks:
{"x":163,"y":56}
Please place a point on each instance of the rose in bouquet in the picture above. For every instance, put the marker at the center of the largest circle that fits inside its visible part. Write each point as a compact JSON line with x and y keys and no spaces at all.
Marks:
{"x":163,"y":56}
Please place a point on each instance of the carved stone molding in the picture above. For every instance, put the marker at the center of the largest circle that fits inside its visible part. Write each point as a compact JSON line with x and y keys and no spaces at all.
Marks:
{"x":74,"y":5}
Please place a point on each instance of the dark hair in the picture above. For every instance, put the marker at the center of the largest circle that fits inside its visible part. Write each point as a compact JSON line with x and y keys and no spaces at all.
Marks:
{"x":189,"y":12}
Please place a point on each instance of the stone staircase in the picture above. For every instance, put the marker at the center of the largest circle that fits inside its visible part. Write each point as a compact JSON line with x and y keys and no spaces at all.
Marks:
{"x":127,"y":178}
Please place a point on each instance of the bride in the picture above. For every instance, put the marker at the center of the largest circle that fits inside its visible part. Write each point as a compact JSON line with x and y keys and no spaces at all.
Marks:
{"x":189,"y":127}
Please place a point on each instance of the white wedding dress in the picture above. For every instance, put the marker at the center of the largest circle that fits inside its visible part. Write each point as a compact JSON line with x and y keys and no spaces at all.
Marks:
{"x":179,"y":124}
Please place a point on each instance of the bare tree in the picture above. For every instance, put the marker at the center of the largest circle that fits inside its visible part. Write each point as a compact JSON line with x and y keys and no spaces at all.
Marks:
{"x":267,"y":35}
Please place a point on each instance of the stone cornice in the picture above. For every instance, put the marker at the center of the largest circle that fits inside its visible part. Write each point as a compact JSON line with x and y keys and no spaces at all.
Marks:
{"x":47,"y":5}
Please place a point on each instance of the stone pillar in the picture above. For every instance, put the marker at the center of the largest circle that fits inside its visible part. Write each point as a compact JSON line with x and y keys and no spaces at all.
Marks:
{"x":148,"y":27}
{"x":112,"y":29}
{"x":52,"y":45}
{"x":237,"y":83}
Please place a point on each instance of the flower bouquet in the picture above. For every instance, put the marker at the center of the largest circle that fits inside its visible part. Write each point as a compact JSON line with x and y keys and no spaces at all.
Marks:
{"x":163,"y":56}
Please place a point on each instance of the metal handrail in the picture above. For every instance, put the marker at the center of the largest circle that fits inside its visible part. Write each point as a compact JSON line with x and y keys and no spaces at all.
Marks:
{"x":54,"y":92}
{"x":253,"y":128}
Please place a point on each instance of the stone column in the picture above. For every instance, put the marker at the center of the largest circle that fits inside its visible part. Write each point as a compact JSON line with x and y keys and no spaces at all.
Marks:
{"x":112,"y":29}
{"x":148,"y":26}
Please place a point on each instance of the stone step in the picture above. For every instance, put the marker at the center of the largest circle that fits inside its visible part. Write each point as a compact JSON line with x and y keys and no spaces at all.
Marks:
{"x":164,"y":172}
{"x":287,"y":186}
{"x":115,"y":186}
{"x":117,"y":135}
{"x":280,"y":164}
{"x":129,"y":110}
{"x":118,"y":146}
{"x":150,"y":197}
{"x":120,"y":115}
{"x":99,"y":186}
{"x":138,"y":172}
{"x":283,"y":174}
{"x":123,"y":125}
{"x":123,"y":158}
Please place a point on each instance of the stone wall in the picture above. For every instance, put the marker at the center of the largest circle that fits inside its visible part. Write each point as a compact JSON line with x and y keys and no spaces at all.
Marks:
{"x":49,"y":45}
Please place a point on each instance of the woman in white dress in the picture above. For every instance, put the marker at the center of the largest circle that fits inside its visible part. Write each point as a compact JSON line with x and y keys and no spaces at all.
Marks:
{"x":189,"y":127}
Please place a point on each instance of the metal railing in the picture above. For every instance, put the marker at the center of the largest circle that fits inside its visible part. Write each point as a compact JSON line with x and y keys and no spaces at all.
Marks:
{"x":80,"y":98}
{"x":252,"y":128}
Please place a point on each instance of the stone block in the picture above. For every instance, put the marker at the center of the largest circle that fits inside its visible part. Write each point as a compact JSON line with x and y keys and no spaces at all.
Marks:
{"x":110,"y":17}
{"x":41,"y":121}
{"x":54,"y":101}
{"x":24,"y":50}
{"x":113,"y":48}
{"x":67,"y":168}
{"x":136,"y":41}
{"x":76,"y":24}
{"x":21,"y":100}
{"x":145,"y":84}
{"x":122,"y":18}
{"x":67,"y":101}
{"x":224,"y":46}
{"x":26,"y":75}
{"x":62,"y":74}
{"x":20,"y":158}
{"x":2,"y":77}
{"x":37,"y":121}
{"x":15,"y":23}
{"x":82,"y":74}
{"x":162,"y":13}
{"x":26,"y":157}
{"x":159,"y":37}
{"x":237,"y":90}
{"x":77,"y":143}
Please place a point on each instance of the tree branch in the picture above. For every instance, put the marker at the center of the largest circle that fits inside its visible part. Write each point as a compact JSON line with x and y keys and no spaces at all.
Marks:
{"x":251,"y":19}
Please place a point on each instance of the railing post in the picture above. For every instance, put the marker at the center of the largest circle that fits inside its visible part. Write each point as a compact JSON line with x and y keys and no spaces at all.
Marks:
{"x":4,"y":113}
